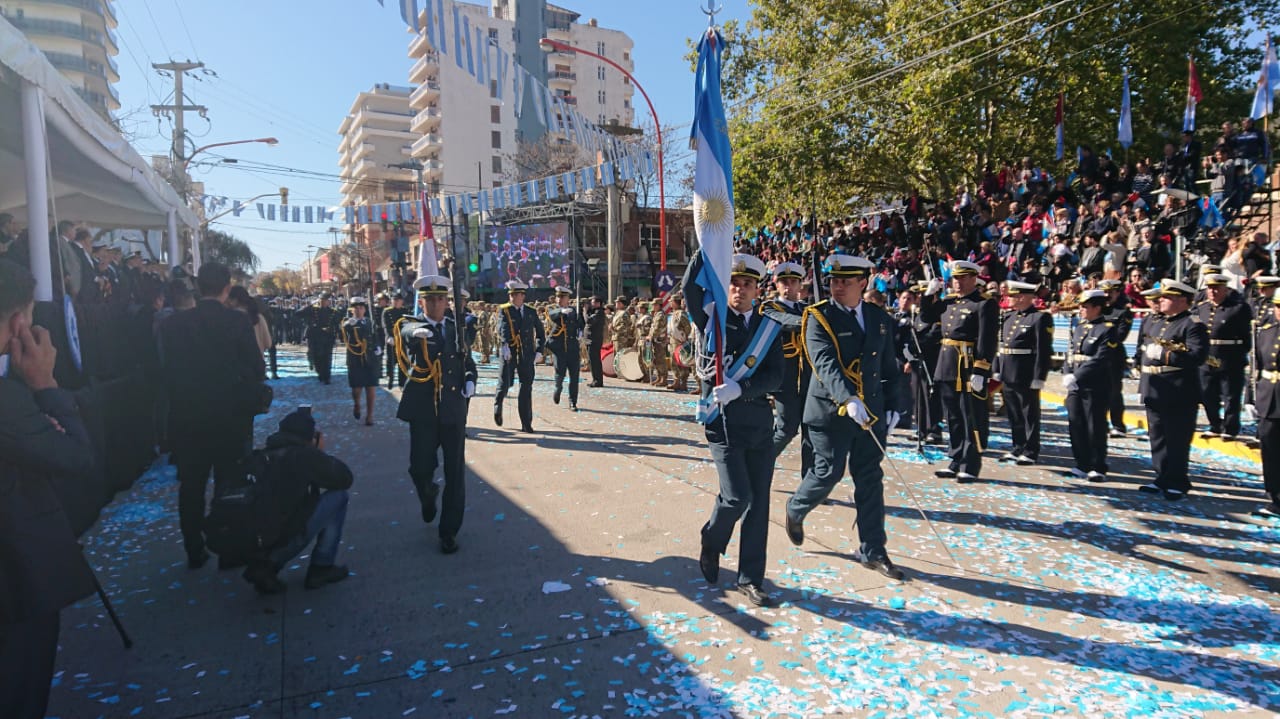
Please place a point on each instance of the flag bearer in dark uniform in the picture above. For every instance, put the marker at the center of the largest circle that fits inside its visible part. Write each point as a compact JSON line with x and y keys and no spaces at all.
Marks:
{"x":566,"y":334}
{"x":1121,"y":317}
{"x":520,"y":341}
{"x":1026,"y":351}
{"x":1087,"y":377}
{"x":788,"y":400}
{"x":322,"y":333}
{"x":970,"y":333}
{"x":1230,"y":326}
{"x":1266,"y":366}
{"x":440,"y":381}
{"x":1176,"y":344}
{"x":921,"y":345}
{"x":739,"y":424}
{"x":357,"y":337}
{"x":1265,"y":289}
{"x":390,"y":316}
{"x":849,"y":407}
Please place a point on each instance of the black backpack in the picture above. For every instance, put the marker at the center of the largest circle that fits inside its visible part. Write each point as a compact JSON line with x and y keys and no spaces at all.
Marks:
{"x":243,"y":520}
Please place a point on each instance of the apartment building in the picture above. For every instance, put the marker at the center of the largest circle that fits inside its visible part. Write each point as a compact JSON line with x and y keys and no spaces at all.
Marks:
{"x":77,"y":36}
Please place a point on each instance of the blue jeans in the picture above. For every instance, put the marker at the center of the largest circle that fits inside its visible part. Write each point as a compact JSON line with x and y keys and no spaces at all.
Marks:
{"x":324,"y":526}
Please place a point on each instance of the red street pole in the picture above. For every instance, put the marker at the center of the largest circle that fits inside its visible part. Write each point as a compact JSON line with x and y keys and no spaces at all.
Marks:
{"x":662,"y":190}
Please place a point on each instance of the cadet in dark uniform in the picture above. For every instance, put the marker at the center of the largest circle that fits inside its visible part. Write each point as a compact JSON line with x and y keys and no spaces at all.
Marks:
{"x":1230,"y":326}
{"x":357,"y":336}
{"x":440,"y":381}
{"x":1087,"y":377}
{"x":390,"y":316}
{"x":739,"y":425}
{"x":1265,"y":286}
{"x":1121,"y":319}
{"x":322,"y":332}
{"x":849,"y":407}
{"x":1266,"y":366}
{"x":970,"y":333}
{"x":520,"y":341}
{"x":597,"y":323}
{"x":788,"y":400}
{"x":1026,"y":351}
{"x":1176,"y":344}
{"x":566,"y":333}
{"x":921,"y":344}
{"x":381,"y":305}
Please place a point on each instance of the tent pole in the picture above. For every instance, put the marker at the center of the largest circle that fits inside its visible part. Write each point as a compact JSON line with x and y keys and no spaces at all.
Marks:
{"x":35,"y":155}
{"x":175,"y":259}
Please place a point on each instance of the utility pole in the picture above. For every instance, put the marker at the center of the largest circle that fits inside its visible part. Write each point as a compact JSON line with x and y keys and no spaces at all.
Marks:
{"x":614,"y":240}
{"x":179,"y":109}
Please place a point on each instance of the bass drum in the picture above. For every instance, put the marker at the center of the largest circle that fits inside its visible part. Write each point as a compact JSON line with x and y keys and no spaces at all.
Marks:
{"x":627,"y":365}
{"x":606,"y":359}
{"x":684,"y":355}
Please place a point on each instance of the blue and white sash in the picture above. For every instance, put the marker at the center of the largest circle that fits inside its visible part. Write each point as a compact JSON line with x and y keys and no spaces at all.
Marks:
{"x":744,"y":366}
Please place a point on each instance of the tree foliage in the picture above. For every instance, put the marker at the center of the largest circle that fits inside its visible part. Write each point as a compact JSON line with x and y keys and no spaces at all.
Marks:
{"x":279,"y":282}
{"x":830,"y":99}
{"x":225,"y":249}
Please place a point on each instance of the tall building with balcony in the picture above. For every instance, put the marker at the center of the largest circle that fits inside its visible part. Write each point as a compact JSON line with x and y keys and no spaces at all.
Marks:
{"x":375,"y":136}
{"x":466,"y":134}
{"x":77,"y":36}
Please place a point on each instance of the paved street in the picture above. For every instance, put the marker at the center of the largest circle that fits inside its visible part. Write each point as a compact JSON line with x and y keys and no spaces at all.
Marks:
{"x":577,"y":593}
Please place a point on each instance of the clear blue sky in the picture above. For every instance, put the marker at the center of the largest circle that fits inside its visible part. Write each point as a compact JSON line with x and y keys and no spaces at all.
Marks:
{"x":291,"y":70}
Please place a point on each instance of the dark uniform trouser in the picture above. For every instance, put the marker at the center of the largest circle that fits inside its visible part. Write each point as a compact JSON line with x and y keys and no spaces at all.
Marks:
{"x":271,"y":354}
{"x":787,"y":411}
{"x":597,"y":366}
{"x":1218,"y":387}
{"x":570,"y":362}
{"x":1171,"y":429}
{"x":322,"y":358}
{"x":522,"y":366}
{"x":1022,"y":406}
{"x":1087,"y":424}
{"x":745,"y":466}
{"x":195,"y":453}
{"x":1269,"y":437}
{"x":835,"y":448}
{"x":395,"y":376}
{"x":1116,"y":404}
{"x":28,"y":650}
{"x":425,"y":436}
{"x":965,"y":415}
{"x":928,"y":404}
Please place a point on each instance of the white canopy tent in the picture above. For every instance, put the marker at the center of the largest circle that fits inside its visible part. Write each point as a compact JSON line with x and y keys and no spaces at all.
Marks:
{"x":75,"y":164}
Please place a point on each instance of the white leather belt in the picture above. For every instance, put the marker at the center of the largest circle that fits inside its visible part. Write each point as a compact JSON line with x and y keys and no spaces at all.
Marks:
{"x":1226,"y":342}
{"x":1016,"y":351}
{"x":1271,"y":375}
{"x":1160,"y":369}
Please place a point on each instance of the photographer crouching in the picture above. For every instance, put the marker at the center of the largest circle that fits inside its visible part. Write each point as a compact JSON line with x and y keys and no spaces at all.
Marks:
{"x":301,"y":495}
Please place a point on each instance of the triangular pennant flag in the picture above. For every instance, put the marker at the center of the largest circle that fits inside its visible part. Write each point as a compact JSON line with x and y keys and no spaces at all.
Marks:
{"x":297,"y":214}
{"x":588,"y":178}
{"x":261,"y":212}
{"x":531,"y":189}
{"x":624,"y":168}
{"x":326,"y":214}
{"x":570,"y":182}
{"x":550,"y":187}
{"x":436,"y":209}
{"x":406,"y":211}
{"x":392,"y":211}
{"x":310,"y":215}
{"x":606,"y":173}
{"x":271,"y":212}
{"x":351,"y":214}
{"x":482,"y":201}
{"x":449,"y":206}
{"x":237,"y":208}
{"x":362,"y":213}
{"x":466,"y":203}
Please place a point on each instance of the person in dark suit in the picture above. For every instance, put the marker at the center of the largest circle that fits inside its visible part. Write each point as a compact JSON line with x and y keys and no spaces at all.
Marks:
{"x":788,"y":400}
{"x":213,"y":373}
{"x":520,"y":342}
{"x":1022,"y":366}
{"x":1266,"y":365}
{"x":596,"y":324}
{"x":1121,"y":317}
{"x":739,"y":424}
{"x":322,"y":333}
{"x":42,"y":440}
{"x":849,"y":406}
{"x":390,"y":316}
{"x":441,"y":378}
{"x":1229,"y":321}
{"x":1177,"y":343}
{"x":566,"y":332}
{"x":1087,"y":378}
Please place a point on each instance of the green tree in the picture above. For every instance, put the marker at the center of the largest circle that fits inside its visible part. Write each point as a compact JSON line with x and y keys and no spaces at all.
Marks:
{"x":834,"y":98}
{"x":217,"y":246}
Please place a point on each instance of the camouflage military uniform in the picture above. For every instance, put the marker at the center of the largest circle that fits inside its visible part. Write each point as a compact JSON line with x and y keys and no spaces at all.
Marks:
{"x":658,"y":341}
{"x":679,"y":330}
{"x":624,"y":331}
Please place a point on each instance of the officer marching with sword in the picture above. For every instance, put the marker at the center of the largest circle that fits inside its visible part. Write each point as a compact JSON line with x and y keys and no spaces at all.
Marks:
{"x":521,"y":338}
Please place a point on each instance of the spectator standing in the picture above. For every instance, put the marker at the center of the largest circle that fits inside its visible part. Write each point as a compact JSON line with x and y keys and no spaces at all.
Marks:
{"x":213,"y":373}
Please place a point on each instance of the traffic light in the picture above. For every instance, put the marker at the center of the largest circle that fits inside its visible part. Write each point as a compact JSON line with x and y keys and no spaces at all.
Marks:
{"x":474,"y":266}
{"x":284,"y":195}
{"x":384,"y":220}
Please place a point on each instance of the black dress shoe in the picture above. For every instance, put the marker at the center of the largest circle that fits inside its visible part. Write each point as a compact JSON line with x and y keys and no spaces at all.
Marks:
{"x":882,"y":565}
{"x":196,"y":560}
{"x":709,"y":563}
{"x":795,"y":530}
{"x":947,"y":473}
{"x":262,"y":575}
{"x":497,"y":415}
{"x":429,"y":509}
{"x":1173,"y":495}
{"x":448,"y":545}
{"x":527,"y":429}
{"x":1152,"y":488}
{"x":555,"y":396}
{"x":756,"y":595}
{"x":573,"y":406}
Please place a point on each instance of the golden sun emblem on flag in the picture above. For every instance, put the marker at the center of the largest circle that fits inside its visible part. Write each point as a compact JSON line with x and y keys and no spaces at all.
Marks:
{"x":713,"y":209}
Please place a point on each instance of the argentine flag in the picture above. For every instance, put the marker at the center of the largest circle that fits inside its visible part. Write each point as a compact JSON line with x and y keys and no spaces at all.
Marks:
{"x":712,"y":186}
{"x":1268,"y":84}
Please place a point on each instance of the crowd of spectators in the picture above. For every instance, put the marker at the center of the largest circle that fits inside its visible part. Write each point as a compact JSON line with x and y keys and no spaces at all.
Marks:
{"x":1102,"y":219}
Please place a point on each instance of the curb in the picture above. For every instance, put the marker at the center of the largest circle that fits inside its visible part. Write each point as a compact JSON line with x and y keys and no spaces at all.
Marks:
{"x":1238,"y":450}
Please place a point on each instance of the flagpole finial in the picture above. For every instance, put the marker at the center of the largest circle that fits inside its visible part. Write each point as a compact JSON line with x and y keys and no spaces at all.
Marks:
{"x":711,"y":11}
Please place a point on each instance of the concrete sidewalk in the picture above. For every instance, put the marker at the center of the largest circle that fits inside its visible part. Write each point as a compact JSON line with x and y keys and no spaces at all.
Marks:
{"x":576,"y":591}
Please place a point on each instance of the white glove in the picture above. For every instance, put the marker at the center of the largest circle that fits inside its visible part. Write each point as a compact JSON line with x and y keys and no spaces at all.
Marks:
{"x":377,"y":351}
{"x":579,"y":335}
{"x":468,"y":389}
{"x":935,"y":286}
{"x":504,"y":352}
{"x":723,"y":394}
{"x":1069,"y":382}
{"x":1037,"y":384}
{"x":857,"y":411}
{"x":977,"y":383}
{"x":891,"y":420}
{"x":537,"y":358}
{"x":423,"y":333}
{"x":1154,"y":351}
{"x":906,"y":352}
{"x":996,"y":376}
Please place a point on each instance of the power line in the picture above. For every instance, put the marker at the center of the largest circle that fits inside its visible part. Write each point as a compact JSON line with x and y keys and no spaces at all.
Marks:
{"x":178,"y":6}
{"x":159,"y":33}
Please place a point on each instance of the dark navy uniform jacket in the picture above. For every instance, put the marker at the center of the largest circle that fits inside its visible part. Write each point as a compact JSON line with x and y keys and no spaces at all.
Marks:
{"x":1026,"y":348}
{"x":436,"y":375}
{"x":840,"y":351}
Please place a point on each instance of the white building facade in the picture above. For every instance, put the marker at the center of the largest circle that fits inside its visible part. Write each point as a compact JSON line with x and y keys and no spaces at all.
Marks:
{"x":78,"y":38}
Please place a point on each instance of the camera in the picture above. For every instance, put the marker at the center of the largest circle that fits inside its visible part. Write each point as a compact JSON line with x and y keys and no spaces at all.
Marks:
{"x":304,"y":410}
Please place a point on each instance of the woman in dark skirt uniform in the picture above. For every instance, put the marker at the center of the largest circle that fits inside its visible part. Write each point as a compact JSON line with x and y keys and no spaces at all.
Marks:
{"x":362,"y":360}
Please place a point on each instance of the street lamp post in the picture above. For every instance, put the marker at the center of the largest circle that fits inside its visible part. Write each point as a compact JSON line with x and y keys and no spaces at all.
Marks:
{"x":549,"y":45}
{"x":264,"y":140}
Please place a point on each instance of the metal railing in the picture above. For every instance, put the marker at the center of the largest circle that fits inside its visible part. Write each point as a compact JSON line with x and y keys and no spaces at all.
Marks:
{"x":56,"y":27}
